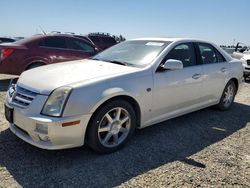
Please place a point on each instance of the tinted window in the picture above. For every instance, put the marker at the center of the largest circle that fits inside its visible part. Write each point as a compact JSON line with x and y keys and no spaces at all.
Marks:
{"x":209,"y":54}
{"x":109,"y":40}
{"x":79,"y":45}
{"x":220,"y":57}
{"x":54,"y":42}
{"x":183,"y":52}
{"x":83,"y":37}
{"x":6,"y":40}
{"x":95,"y":39}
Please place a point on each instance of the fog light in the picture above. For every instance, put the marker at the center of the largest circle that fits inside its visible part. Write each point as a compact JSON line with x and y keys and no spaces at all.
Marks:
{"x":44,"y":137}
{"x":41,"y":128}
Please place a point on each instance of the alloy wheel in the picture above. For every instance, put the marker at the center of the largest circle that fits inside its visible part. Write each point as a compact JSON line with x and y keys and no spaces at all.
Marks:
{"x":114,"y":127}
{"x":228,"y":95}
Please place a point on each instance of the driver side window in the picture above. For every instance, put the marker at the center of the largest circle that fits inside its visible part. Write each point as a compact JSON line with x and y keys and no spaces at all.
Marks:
{"x":184,"y":52}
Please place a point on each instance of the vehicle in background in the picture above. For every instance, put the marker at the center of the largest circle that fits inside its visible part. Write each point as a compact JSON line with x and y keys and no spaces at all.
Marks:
{"x":6,"y":40}
{"x":102,"y":41}
{"x":230,"y":51}
{"x":42,"y":50}
{"x":18,"y":38}
{"x":137,"y":83}
{"x":242,"y":52}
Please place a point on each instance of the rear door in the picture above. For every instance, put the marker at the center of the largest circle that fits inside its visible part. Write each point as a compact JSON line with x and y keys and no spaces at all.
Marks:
{"x":215,"y":68}
{"x":80,"y":49}
{"x":55,"y":48}
{"x":178,"y":91}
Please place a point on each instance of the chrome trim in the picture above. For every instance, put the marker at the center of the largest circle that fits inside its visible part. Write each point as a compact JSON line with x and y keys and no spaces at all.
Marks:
{"x":22,"y":97}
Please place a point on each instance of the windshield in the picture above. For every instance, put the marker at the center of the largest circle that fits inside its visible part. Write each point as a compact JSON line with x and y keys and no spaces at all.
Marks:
{"x":133,"y":53}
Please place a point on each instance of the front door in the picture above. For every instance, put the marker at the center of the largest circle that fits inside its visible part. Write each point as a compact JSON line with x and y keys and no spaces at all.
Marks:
{"x":178,"y":91}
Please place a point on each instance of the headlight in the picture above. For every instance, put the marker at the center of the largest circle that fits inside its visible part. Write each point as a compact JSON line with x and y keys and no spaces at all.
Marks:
{"x":54,"y":105}
{"x":243,"y":61}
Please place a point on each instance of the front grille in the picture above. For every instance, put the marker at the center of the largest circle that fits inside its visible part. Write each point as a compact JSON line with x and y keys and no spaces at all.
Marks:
{"x":248,"y":62}
{"x":23,"y":97}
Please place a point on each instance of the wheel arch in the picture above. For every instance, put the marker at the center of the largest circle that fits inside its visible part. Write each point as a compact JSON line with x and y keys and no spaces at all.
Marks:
{"x":35,"y":62}
{"x":236,"y":82}
{"x":132,"y":101}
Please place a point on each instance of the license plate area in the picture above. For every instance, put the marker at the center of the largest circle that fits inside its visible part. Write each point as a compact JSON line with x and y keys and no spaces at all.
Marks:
{"x":9,"y":113}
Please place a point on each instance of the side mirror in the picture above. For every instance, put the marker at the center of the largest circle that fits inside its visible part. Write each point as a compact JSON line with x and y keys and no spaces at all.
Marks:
{"x":172,"y":64}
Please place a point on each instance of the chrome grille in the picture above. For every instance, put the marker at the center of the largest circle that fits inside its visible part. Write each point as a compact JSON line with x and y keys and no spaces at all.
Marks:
{"x":248,"y":62}
{"x":23,"y":97}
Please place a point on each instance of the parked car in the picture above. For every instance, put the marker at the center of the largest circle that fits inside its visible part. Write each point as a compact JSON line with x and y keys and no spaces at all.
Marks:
{"x":102,"y":41}
{"x":100,"y":101}
{"x":243,"y":54}
{"x":42,"y":50}
{"x":5,"y":39}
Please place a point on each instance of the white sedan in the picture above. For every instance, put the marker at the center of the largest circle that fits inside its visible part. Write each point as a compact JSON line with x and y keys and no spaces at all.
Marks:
{"x":245,"y":59}
{"x":135,"y":84}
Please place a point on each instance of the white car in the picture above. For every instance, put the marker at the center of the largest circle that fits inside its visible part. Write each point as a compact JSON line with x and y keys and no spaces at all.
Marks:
{"x":135,"y":84}
{"x":245,"y":59}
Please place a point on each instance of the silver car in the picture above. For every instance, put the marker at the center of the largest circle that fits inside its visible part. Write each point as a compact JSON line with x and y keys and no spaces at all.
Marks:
{"x":100,"y":101}
{"x":245,"y":59}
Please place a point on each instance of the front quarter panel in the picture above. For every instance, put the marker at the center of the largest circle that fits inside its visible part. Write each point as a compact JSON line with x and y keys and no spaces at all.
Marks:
{"x":86,"y":99}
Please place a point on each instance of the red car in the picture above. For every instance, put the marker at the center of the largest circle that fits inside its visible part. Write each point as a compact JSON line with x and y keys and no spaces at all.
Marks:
{"x":42,"y":50}
{"x":101,"y":41}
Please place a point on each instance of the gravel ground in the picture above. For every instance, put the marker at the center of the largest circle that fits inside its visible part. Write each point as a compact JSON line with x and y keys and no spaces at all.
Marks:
{"x":207,"y":148}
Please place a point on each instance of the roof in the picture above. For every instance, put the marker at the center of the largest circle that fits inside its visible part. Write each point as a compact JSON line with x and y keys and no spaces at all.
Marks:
{"x":169,"y":39}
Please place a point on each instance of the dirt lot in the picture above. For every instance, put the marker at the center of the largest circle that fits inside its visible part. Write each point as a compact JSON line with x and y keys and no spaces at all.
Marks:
{"x":206,"y":148}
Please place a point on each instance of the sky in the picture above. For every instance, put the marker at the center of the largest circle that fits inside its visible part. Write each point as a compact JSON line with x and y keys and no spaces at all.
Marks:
{"x":219,"y":21}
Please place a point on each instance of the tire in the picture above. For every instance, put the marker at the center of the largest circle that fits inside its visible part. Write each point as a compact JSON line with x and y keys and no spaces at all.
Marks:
{"x":108,"y":131}
{"x":228,"y":96}
{"x":34,"y":65}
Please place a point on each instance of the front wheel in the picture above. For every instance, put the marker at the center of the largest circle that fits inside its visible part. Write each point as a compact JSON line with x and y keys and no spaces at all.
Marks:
{"x":228,"y":96}
{"x":111,"y":127}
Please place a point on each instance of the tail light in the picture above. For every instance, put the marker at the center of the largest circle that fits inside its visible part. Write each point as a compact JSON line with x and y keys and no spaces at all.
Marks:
{"x":6,"y":53}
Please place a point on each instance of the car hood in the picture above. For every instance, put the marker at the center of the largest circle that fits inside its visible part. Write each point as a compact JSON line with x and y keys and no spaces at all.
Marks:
{"x":246,"y":56}
{"x":45,"y":79}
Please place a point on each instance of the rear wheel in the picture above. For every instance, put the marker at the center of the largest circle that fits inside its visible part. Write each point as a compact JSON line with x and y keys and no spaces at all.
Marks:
{"x":228,"y":96}
{"x":111,"y":127}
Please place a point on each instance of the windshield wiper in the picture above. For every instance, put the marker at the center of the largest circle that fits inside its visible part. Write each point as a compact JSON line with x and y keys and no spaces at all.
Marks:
{"x":117,"y":62}
{"x":113,"y":61}
{"x":95,"y":59}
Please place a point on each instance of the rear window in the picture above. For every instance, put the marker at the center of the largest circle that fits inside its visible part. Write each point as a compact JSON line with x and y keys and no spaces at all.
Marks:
{"x":209,"y":54}
{"x":83,"y":37}
{"x":95,"y":39}
{"x":109,"y":40}
{"x":53,"y":42}
{"x":79,"y":45}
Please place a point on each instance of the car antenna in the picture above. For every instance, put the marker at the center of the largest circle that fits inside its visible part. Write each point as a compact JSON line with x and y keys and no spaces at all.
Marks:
{"x":42,"y":30}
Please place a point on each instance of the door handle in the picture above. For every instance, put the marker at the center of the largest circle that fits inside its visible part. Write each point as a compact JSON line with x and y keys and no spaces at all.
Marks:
{"x":223,"y":69}
{"x":196,"y":76}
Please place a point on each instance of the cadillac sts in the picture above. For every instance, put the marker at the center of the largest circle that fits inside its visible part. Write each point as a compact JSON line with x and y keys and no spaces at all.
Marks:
{"x":100,"y":101}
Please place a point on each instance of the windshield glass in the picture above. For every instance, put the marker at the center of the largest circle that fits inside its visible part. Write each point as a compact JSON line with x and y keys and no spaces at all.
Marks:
{"x":133,"y":53}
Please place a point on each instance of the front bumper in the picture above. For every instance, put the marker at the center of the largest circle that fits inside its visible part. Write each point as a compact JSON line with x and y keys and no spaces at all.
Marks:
{"x":246,"y":70}
{"x":57,"y":136}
